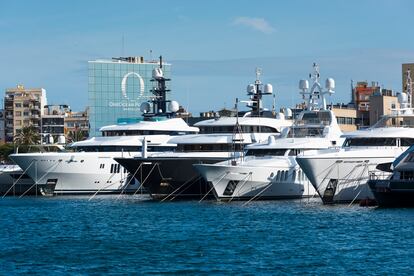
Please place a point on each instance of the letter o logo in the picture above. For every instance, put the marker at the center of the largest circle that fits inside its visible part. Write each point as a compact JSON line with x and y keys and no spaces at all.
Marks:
{"x":124,"y":82}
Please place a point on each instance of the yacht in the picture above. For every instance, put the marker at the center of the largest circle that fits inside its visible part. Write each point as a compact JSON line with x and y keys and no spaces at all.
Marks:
{"x":341,"y":175}
{"x":172,"y":175}
{"x":13,"y":182}
{"x":89,"y":168}
{"x":398,"y":189}
{"x":269,"y":170}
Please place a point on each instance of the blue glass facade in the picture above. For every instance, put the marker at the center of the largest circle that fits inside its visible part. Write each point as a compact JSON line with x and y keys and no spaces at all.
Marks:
{"x":116,"y":90}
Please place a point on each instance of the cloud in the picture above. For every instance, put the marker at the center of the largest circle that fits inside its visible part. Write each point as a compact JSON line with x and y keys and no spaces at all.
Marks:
{"x":258,"y":24}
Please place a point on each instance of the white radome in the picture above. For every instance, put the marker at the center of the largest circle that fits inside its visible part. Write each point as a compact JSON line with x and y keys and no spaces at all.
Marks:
{"x":330,"y":84}
{"x":268,"y":88}
{"x":251,"y":88}
{"x":173,"y":106}
{"x":157,"y":73}
{"x":145,"y":107}
{"x":303,"y":84}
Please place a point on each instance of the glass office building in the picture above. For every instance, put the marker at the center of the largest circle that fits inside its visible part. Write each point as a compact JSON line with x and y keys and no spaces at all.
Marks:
{"x":116,"y":89}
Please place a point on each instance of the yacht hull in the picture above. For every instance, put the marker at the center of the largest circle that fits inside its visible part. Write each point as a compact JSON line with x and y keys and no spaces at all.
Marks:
{"x":393,"y":193}
{"x":14,"y":183}
{"x":77,"y":173}
{"x":167,"y":178}
{"x":274,"y":179}
{"x":342,"y":177}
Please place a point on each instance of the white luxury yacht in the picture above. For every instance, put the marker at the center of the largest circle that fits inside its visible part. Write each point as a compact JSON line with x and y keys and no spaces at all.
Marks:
{"x":172,"y":176}
{"x":90,"y":167}
{"x":340,"y":175}
{"x":269,"y":170}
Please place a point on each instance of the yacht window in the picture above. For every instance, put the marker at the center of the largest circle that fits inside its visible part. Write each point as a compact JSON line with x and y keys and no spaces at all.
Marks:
{"x":407,"y":175}
{"x":122,"y":148}
{"x":231,"y":129}
{"x":388,"y":121}
{"x":406,"y":142}
{"x":282,"y":175}
{"x":206,"y":147}
{"x":320,"y":117}
{"x":370,"y":142}
{"x":294,"y":152}
{"x":266,"y":152}
{"x":143,"y":132}
{"x":305,"y":132}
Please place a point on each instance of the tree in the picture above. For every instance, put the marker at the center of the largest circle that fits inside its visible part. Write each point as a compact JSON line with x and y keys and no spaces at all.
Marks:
{"x":77,"y":135}
{"x":5,"y":151}
{"x":28,"y":135}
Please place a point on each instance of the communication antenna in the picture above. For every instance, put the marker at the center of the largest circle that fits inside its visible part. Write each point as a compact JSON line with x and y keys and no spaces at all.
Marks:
{"x":315,"y":95}
{"x":237,"y":139}
{"x":123,"y":45}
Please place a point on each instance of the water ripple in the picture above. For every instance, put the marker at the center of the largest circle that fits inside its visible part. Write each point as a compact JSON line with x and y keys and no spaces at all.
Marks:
{"x":72,"y":235}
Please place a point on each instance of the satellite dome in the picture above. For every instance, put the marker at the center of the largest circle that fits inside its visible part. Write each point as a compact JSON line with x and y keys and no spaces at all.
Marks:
{"x":61,"y":139}
{"x":330,"y":84}
{"x":173,"y":106}
{"x":145,"y":107}
{"x":303,"y":84}
{"x":157,"y":73}
{"x":251,"y":89}
{"x":280,"y":116}
{"x":402,"y":98}
{"x":287,"y":112}
{"x":268,"y":88}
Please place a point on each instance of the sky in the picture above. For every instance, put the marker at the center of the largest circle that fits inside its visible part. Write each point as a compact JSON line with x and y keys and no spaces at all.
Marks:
{"x":213,"y":46}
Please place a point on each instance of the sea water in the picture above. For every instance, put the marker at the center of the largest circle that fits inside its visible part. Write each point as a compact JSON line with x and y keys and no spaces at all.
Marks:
{"x":133,"y":235}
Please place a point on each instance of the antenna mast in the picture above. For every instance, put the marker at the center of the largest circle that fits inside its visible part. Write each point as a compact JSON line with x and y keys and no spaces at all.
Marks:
{"x":312,"y":98}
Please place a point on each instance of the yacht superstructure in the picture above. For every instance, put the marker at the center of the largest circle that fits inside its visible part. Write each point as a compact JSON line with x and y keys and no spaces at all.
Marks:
{"x":90,"y":167}
{"x":340,"y":175}
{"x":269,"y":170}
{"x":172,"y":176}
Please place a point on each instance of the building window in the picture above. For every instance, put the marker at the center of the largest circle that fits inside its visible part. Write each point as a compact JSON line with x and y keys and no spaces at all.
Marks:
{"x":18,"y":123}
{"x":18,"y":113}
{"x":18,"y":104}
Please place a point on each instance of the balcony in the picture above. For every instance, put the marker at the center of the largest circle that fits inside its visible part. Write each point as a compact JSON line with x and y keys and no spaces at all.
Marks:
{"x":9,"y":116}
{"x":9,"y":125}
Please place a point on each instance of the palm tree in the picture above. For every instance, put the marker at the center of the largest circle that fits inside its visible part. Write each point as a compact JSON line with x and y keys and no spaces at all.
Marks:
{"x":76,"y":135}
{"x":28,"y":135}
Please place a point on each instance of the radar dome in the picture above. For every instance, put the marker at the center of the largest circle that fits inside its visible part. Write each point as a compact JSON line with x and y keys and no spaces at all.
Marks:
{"x":303,"y":84}
{"x":251,"y":89}
{"x":280,"y":116}
{"x":157,"y":73}
{"x":61,"y":139}
{"x":268,"y":88}
{"x":173,"y":106}
{"x":330,"y":84}
{"x":287,"y":112}
{"x":145,"y":107}
{"x":402,"y":97}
